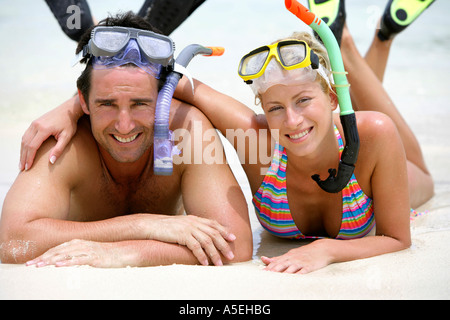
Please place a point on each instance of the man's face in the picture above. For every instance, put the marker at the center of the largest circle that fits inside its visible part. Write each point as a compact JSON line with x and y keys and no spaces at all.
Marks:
{"x":122,"y":105}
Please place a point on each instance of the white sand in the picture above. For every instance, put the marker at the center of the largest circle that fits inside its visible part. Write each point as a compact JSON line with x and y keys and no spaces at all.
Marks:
{"x":421,"y":272}
{"x":418,"y":273}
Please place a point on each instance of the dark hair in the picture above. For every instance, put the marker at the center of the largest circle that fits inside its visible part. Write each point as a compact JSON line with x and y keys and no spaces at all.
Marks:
{"x":128,"y":20}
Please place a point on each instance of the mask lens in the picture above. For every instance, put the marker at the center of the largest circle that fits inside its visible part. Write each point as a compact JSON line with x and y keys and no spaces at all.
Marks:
{"x":155,"y":47}
{"x":112,"y":41}
{"x":253,"y":63}
{"x":292,"y":54}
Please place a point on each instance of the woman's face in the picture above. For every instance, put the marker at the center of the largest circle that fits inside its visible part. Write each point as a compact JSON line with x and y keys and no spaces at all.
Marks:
{"x":302,"y":114}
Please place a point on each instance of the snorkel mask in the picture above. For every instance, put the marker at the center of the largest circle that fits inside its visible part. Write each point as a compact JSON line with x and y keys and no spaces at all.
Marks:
{"x":109,"y":44}
{"x":111,"y":47}
{"x":131,"y":54}
{"x":289,"y":62}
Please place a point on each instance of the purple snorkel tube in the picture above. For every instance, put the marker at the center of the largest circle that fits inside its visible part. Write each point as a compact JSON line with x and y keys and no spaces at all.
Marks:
{"x":163,"y":144}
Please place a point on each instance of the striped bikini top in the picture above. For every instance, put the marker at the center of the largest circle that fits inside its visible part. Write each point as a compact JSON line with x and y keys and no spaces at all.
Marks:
{"x":272,"y":207}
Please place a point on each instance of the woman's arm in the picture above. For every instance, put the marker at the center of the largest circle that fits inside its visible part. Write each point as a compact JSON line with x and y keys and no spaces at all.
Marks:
{"x":223,"y":111}
{"x":323,"y":252}
{"x":389,"y":192}
{"x":247,"y":132}
{"x":60,"y":122}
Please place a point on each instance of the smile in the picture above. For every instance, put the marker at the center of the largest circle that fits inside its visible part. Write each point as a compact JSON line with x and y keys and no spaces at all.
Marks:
{"x":299,"y":135}
{"x":126,"y":140}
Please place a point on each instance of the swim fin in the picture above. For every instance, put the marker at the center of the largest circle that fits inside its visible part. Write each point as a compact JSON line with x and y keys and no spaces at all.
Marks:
{"x":167,"y":15}
{"x":61,"y":9}
{"x":332,"y":12}
{"x":398,"y":15}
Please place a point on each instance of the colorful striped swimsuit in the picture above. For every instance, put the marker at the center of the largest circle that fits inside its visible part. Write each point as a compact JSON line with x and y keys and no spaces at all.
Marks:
{"x":273,"y":211}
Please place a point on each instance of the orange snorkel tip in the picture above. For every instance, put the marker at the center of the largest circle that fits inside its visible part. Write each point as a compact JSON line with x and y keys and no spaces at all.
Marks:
{"x":300,"y":11}
{"x":216,"y":51}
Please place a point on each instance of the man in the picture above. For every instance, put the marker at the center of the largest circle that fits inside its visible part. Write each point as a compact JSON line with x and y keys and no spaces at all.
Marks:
{"x":103,"y":192}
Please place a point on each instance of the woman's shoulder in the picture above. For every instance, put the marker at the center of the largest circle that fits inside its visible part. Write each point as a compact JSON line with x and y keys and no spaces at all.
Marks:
{"x":378,"y":136}
{"x":374,"y":120}
{"x":372,"y":126}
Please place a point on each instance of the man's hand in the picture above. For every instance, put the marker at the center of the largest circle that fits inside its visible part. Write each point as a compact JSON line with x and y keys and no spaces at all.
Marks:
{"x":204,"y":237}
{"x":82,"y":252}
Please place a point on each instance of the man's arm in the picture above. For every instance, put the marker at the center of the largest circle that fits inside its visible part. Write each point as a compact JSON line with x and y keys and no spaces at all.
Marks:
{"x":35,"y":218}
{"x":136,"y":253}
{"x":211,"y":191}
{"x":35,"y":215}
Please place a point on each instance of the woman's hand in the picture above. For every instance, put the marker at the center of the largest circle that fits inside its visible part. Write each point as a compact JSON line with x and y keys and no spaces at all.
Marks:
{"x":60,"y":123}
{"x":301,"y":260}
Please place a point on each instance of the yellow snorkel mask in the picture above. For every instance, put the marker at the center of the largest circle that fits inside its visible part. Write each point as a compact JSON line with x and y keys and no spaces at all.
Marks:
{"x":291,"y":54}
{"x":287,"y":62}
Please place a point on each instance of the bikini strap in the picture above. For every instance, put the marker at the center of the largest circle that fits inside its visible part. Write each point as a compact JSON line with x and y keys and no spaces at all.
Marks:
{"x":340,"y":141}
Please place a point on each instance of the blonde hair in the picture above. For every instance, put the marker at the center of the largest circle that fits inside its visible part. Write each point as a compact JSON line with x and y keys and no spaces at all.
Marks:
{"x":320,"y":51}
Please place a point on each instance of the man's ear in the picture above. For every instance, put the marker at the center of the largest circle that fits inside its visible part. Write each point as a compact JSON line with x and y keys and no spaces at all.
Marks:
{"x":83,"y":103}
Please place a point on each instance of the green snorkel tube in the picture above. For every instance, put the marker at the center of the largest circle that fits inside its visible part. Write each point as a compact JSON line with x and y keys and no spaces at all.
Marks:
{"x":335,"y":182}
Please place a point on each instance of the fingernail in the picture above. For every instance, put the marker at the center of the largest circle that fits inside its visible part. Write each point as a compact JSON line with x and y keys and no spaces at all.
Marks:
{"x":26,"y":167}
{"x":232,"y":237}
{"x":53,"y":159}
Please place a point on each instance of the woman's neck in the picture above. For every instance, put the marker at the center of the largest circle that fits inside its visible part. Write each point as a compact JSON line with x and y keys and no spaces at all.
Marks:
{"x":326,"y":156}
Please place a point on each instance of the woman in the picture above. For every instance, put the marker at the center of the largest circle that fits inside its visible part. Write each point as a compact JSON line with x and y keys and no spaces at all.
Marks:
{"x":371,"y":215}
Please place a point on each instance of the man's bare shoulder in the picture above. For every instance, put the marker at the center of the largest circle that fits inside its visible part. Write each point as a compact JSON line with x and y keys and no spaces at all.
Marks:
{"x":79,"y":157}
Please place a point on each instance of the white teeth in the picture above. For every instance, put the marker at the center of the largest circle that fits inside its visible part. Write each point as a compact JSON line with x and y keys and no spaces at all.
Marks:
{"x":300,"y":135}
{"x":126,"y":140}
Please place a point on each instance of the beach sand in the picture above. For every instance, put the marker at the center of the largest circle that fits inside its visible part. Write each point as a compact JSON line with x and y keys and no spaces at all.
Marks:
{"x":36,"y":76}
{"x":420,"y":272}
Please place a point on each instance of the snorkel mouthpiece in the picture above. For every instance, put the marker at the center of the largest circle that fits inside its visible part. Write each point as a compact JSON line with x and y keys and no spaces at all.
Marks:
{"x":336,"y":181}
